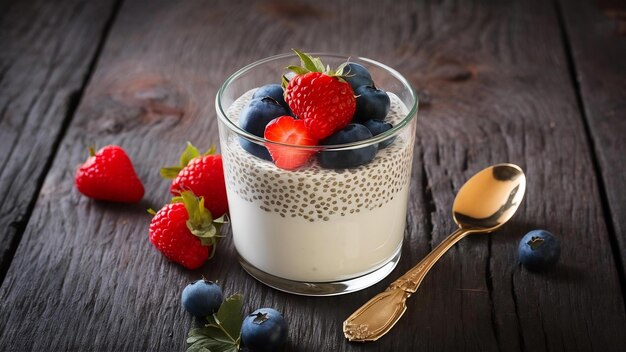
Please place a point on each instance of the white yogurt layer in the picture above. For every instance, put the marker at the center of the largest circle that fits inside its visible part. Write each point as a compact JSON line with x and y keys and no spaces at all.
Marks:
{"x":315,"y":224}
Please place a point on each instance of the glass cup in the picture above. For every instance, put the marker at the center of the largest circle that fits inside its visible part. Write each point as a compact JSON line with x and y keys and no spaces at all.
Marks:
{"x":317,"y":231}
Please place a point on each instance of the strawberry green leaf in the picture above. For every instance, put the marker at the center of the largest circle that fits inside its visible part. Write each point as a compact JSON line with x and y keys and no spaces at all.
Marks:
{"x":284,"y":82}
{"x":341,"y":68}
{"x":297,"y":70}
{"x":306,"y":61}
{"x":319,"y":66}
{"x":211,"y":150}
{"x":313,"y":64}
{"x":222,"y":219}
{"x":190,"y":152}
{"x":170,"y":172}
{"x":200,"y":221}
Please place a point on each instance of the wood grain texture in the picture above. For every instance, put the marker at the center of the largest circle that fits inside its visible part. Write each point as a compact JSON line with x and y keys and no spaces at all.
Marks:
{"x":47,"y":50}
{"x":495,"y":88}
{"x":597,"y":37}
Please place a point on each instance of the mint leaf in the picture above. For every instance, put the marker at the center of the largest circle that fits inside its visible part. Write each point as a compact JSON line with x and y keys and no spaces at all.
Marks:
{"x":222,"y":331}
{"x":229,"y":315}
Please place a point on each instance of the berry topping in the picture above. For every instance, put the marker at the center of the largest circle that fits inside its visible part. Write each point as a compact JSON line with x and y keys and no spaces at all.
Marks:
{"x":356,"y":75}
{"x":264,"y":330}
{"x":202,"y":298}
{"x":259,"y":113}
{"x":319,"y":96}
{"x":109,"y":175}
{"x":254,"y":117}
{"x":377,"y":127}
{"x":202,"y":174}
{"x":184,"y":231}
{"x":288,"y":130}
{"x":539,"y":250}
{"x":274,"y":91}
{"x":371,"y":104}
{"x":352,"y":157}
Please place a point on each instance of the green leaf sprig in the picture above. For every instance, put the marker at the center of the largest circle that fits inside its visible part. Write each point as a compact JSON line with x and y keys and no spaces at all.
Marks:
{"x":222,"y":332}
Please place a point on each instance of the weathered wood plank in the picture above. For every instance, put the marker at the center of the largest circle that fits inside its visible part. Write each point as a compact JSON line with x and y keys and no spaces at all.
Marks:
{"x":86,"y":277}
{"x":47,"y":50}
{"x":596,"y":31}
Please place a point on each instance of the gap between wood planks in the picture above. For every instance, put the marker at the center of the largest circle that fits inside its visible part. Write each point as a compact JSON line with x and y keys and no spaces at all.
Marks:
{"x":606,"y":211}
{"x":73,"y":101}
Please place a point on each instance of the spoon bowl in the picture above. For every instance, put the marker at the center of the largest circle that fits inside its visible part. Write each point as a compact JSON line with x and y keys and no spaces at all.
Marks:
{"x":490,"y":198}
{"x":485,"y":202}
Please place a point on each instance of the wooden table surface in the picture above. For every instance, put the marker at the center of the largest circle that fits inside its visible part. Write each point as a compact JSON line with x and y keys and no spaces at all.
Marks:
{"x":538,"y":83}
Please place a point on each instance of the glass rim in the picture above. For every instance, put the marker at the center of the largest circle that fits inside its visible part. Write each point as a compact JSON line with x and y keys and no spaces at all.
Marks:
{"x":412,"y":113}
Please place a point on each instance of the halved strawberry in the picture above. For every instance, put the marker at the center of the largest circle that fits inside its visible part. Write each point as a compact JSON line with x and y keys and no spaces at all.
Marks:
{"x":286,"y":129}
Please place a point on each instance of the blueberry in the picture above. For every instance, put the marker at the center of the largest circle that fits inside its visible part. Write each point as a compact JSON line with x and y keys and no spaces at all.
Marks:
{"x":255,"y":149}
{"x":254,"y":117}
{"x":258,"y":113}
{"x":274,"y":91}
{"x":539,"y":250}
{"x":202,"y":298}
{"x":377,"y":127}
{"x":348,"y":158}
{"x":371,"y":104}
{"x":264,"y":330}
{"x":356,"y":75}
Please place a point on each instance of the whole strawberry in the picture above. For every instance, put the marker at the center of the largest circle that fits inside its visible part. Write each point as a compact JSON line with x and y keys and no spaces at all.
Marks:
{"x":109,"y":175}
{"x":203,"y":174}
{"x":319,"y":96}
{"x":184,"y":231}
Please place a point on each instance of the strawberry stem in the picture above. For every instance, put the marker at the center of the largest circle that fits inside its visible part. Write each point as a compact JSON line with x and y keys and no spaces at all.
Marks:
{"x":190,"y":152}
{"x":200,"y":221}
{"x":313,"y":64}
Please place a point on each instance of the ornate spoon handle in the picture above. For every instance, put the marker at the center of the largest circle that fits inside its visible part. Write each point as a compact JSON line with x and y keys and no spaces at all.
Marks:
{"x":376,"y":317}
{"x":411,"y":280}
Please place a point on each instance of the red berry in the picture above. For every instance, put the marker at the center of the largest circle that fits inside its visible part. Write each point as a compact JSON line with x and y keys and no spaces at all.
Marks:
{"x":286,"y":129}
{"x":325,"y":103}
{"x":171,"y":232}
{"x":204,"y":176}
{"x":109,"y":175}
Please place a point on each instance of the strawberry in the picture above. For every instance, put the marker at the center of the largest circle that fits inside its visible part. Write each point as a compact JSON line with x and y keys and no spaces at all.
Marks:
{"x":109,"y":175}
{"x":319,"y":96}
{"x":286,"y":129}
{"x":184,"y":231}
{"x":203,"y":174}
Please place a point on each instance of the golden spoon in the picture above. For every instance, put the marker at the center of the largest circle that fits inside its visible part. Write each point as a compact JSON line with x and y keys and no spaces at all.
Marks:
{"x":484,"y":203}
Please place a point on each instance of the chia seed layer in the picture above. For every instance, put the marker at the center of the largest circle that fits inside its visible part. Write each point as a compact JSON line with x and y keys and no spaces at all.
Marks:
{"x":312,"y":192}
